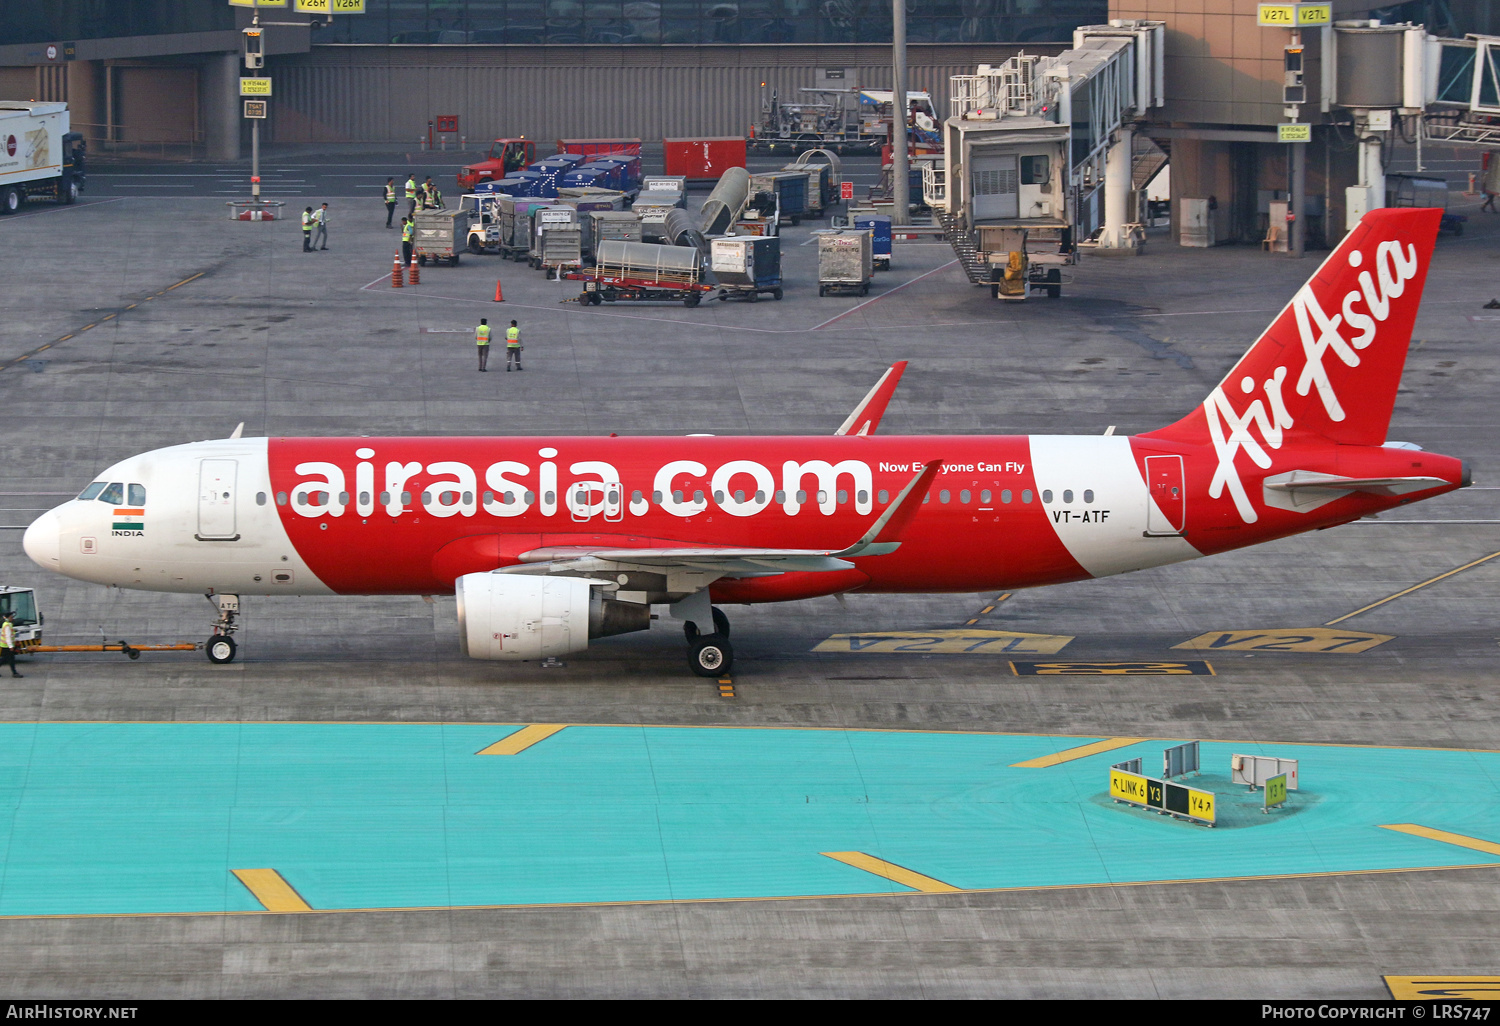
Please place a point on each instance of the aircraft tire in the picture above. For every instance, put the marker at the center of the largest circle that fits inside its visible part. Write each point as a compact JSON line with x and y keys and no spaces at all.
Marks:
{"x":711,"y":656}
{"x":721,"y":622}
{"x":220,"y":649}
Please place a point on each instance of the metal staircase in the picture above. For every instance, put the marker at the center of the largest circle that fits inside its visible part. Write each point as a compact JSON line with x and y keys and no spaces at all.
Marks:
{"x":1148,"y":157}
{"x":964,"y":245}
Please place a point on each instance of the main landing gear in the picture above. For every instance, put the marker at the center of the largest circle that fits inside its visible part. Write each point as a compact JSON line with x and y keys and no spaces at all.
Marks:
{"x":220,"y":645}
{"x":710,"y":655}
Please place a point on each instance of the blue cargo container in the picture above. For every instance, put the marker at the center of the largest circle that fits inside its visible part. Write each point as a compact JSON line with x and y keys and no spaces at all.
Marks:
{"x":587,"y":175}
{"x":879,"y":226}
{"x":629,"y":170}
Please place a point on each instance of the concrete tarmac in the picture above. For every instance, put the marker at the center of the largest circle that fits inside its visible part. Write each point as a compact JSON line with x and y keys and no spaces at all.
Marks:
{"x":164,"y":322}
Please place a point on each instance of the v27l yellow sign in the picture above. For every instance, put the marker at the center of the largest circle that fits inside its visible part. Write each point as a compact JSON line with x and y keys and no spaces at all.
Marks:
{"x":1293,"y":15}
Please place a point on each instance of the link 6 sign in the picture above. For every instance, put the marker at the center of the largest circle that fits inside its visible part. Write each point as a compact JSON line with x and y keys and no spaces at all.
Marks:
{"x":1162,"y":795}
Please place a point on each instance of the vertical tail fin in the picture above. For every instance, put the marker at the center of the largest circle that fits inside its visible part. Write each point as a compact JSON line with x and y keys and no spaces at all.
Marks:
{"x":1331,"y":362}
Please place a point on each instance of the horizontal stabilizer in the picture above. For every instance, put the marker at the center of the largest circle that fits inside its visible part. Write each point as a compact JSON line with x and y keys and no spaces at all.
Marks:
{"x":1305,"y":490}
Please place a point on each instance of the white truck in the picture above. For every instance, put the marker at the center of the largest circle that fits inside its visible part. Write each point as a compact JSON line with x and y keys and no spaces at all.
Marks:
{"x":39,"y":156}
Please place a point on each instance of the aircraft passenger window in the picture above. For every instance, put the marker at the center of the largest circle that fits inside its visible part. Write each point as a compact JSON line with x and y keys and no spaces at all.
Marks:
{"x":719,"y":496}
{"x":822,"y":496}
{"x":550,"y":498}
{"x":137,"y":494}
{"x":861,"y":496}
{"x":612,"y":498}
{"x":92,"y":491}
{"x":260,"y":498}
{"x":677,"y":495}
{"x":1046,"y":494}
{"x":801,"y":496}
{"x":582,"y":497}
{"x":488,"y":498}
{"x":1025,"y":494}
{"x":739,"y":495}
{"x":529,"y":497}
{"x":984,"y":496}
{"x":760,"y":496}
{"x":780,"y":495}
{"x":406,"y":498}
{"x":843,"y":496}
{"x":114,"y":494}
{"x":1088,"y":495}
{"x":964,"y":496}
{"x":343,"y":498}
{"x":883,"y":496}
{"x":656,"y":497}
{"x":426,"y":498}
{"x":385,"y":498}
{"x":698,"y":496}
{"x":364,"y":498}
{"x":281,"y":498}
{"x":301,"y":499}
{"x":944,"y":496}
{"x":1068,"y":495}
{"x":467,"y":498}
{"x":636,"y":496}
{"x":1005,"y":496}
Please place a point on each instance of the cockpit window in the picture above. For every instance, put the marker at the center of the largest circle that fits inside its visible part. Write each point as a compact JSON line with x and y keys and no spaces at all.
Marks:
{"x":114,"y":494}
{"x":92,"y":491}
{"x":137,"y":494}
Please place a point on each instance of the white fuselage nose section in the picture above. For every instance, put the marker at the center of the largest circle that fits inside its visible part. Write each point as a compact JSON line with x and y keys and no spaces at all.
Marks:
{"x":207,"y":524}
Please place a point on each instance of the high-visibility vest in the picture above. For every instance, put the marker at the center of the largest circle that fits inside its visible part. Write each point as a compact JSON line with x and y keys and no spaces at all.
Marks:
{"x":307,"y":221}
{"x":7,"y":635}
{"x":406,"y":232}
{"x":411,"y":188}
{"x":513,"y":337}
{"x":482,"y":334}
{"x":390,"y":193}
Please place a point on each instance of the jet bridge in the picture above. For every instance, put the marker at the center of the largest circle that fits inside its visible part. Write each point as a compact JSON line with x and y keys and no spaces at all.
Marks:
{"x":1045,"y":144}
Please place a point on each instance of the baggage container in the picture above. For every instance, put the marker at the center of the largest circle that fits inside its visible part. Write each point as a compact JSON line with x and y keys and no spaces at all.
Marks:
{"x":615,"y":226}
{"x":545,"y":219}
{"x":515,"y":226}
{"x":625,"y":172}
{"x":787,"y":190}
{"x":746,"y":266}
{"x":560,"y":249}
{"x":441,"y":235}
{"x":845,"y":262}
{"x":879,"y":226}
{"x":666,"y":185}
{"x":591,"y":148}
{"x":704,"y":158}
{"x":821,"y":193}
{"x":585,"y":176}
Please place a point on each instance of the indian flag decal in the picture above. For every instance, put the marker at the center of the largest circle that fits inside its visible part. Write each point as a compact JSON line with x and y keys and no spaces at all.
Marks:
{"x":129,"y":520}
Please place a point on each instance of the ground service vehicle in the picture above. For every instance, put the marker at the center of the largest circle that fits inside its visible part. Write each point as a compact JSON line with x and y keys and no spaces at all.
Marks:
{"x":506,"y":155}
{"x":441,"y":235}
{"x":747,"y":266}
{"x":39,"y":157}
{"x":846,"y":261}
{"x":643,"y":272}
{"x":549,"y":542}
{"x":827,"y":118}
{"x":28,"y":622}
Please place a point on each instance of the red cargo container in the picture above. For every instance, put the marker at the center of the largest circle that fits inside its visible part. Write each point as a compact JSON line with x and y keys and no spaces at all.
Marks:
{"x":592,"y":148}
{"x":706,"y":158}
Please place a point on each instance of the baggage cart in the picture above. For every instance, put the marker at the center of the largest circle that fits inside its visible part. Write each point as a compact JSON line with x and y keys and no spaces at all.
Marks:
{"x":666,"y":185}
{"x":747,"y":266}
{"x":515,"y":226}
{"x":845,"y":262}
{"x":879,"y":226}
{"x":560,"y":249}
{"x":441,"y":235}
{"x":641,"y":272}
{"x":543,"y":220}
{"x":616,"y":226}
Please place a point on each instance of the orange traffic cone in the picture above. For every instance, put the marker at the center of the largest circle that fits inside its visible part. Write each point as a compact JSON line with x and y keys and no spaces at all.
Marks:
{"x":416,"y":278}
{"x":396,"y":281}
{"x":499,"y":296}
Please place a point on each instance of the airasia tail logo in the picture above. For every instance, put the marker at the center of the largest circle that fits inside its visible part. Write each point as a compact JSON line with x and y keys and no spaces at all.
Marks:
{"x":1263,"y":422}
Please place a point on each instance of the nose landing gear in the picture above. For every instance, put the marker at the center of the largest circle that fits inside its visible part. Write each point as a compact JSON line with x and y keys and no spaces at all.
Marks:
{"x":220,"y":646}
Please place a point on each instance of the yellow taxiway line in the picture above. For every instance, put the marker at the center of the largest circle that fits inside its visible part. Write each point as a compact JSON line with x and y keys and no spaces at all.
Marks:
{"x":1462,"y":840}
{"x":1414,"y":587}
{"x":272,"y":890}
{"x":1109,"y":744}
{"x":892,"y":872}
{"x":522,"y":739}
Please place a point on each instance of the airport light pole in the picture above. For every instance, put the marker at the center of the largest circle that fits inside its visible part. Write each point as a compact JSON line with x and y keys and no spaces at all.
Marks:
{"x":900,"y":160}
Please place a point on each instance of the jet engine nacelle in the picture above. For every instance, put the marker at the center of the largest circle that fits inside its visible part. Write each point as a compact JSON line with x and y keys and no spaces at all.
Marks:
{"x":518,"y":616}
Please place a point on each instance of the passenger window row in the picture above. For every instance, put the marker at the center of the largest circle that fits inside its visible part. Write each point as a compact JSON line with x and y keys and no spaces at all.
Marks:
{"x":1067,"y":495}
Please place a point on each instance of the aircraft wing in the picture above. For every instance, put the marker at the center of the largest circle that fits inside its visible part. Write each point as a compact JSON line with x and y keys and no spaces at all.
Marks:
{"x":882,"y":538}
{"x":866,"y":416}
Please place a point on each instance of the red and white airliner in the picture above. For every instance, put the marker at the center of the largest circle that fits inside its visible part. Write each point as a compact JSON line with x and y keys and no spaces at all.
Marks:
{"x":550,"y":542}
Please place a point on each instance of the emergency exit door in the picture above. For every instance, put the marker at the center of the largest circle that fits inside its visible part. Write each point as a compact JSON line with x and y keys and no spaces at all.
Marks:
{"x":583,"y":506}
{"x":1166,"y":510}
{"x":216,"y":490}
{"x":996,"y":187}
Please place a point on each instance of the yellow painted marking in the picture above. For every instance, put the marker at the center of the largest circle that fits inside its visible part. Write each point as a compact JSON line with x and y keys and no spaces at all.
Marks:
{"x":47,"y":346}
{"x":1462,"y":840}
{"x":184,"y":281}
{"x":1414,"y":587}
{"x":1289,"y":639}
{"x":982,"y":642}
{"x":272,"y":890}
{"x":522,"y":739}
{"x":106,"y":318}
{"x":86,"y":327}
{"x":891,"y":872}
{"x":65,"y":338}
{"x":131,"y":306}
{"x":1442,"y":985}
{"x":1109,"y":744}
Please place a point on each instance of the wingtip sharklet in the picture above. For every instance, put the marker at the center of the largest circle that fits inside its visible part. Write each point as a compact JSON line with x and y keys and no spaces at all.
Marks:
{"x":866,"y":416}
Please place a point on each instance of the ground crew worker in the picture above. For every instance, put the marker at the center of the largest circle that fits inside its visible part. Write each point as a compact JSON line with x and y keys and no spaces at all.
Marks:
{"x":482,"y":337}
{"x":8,"y":643}
{"x":411,"y":196}
{"x":1491,"y":182}
{"x":307,"y":229}
{"x":430,"y":199}
{"x":321,"y":217}
{"x":390,"y":201}
{"x":513,"y":347}
{"x":408,"y":229}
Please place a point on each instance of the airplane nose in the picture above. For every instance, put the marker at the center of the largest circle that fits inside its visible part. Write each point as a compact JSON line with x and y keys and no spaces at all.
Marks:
{"x":43,"y":540}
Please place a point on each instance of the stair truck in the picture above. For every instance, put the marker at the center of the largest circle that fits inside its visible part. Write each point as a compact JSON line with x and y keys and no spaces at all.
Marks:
{"x":640,"y":271}
{"x":40,"y":158}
